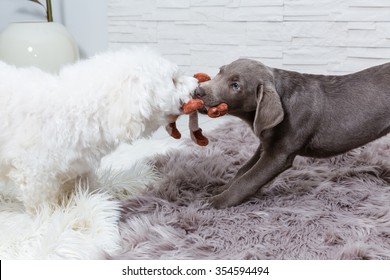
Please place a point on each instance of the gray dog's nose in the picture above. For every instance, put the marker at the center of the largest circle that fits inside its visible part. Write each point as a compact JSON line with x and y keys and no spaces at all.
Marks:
{"x":199,"y":92}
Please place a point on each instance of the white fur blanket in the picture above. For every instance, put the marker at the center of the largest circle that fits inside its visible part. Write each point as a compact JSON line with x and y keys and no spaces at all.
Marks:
{"x":84,"y":227}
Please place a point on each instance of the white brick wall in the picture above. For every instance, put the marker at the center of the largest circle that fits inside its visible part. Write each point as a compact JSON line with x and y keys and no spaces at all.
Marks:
{"x":322,"y":36}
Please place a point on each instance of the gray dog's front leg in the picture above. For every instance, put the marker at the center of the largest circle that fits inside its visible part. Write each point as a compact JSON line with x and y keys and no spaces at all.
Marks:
{"x":263,"y":171}
{"x":248,"y":165}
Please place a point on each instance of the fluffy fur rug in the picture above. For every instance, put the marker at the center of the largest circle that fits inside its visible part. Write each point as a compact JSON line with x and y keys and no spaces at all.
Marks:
{"x":336,"y":208}
{"x":83,"y":227}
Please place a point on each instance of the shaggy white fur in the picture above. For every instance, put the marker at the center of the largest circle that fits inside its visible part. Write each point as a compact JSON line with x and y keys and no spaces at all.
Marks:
{"x":56,"y":128}
{"x":83,"y":227}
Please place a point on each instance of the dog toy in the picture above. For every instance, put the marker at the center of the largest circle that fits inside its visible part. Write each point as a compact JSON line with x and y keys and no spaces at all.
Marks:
{"x":218,"y":111}
{"x":202,"y":77}
{"x":191,"y":108}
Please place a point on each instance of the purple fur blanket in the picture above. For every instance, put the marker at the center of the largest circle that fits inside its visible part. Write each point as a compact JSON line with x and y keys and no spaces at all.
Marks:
{"x":336,"y":208}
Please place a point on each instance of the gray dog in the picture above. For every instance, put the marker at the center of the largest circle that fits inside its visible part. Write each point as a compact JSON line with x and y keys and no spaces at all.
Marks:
{"x":297,"y":114}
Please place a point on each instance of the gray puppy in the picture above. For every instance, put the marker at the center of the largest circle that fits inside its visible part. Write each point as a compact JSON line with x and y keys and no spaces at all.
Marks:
{"x":297,"y":114}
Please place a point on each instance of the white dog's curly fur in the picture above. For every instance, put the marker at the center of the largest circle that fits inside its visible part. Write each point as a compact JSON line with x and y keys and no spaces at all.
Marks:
{"x":56,"y":128}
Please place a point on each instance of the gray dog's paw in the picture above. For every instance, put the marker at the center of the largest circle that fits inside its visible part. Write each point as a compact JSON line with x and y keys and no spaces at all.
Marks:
{"x":220,"y":189}
{"x":219,"y":201}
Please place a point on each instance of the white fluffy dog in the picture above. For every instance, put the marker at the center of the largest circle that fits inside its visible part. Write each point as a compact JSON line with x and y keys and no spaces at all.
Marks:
{"x":56,"y":128}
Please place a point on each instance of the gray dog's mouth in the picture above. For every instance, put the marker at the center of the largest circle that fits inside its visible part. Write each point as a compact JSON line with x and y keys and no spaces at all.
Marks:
{"x":203,"y":110}
{"x":206,"y":108}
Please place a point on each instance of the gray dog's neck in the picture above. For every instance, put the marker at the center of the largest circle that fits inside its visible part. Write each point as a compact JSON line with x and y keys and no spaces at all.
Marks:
{"x":288,"y":81}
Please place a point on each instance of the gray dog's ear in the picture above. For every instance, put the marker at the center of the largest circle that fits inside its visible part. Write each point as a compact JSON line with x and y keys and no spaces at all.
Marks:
{"x":269,"y":111}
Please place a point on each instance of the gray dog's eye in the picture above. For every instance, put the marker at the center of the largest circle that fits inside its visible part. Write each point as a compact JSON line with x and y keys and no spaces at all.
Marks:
{"x":235,"y":86}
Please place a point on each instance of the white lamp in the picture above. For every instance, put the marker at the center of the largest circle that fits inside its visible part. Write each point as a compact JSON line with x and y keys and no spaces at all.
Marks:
{"x":47,"y":45}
